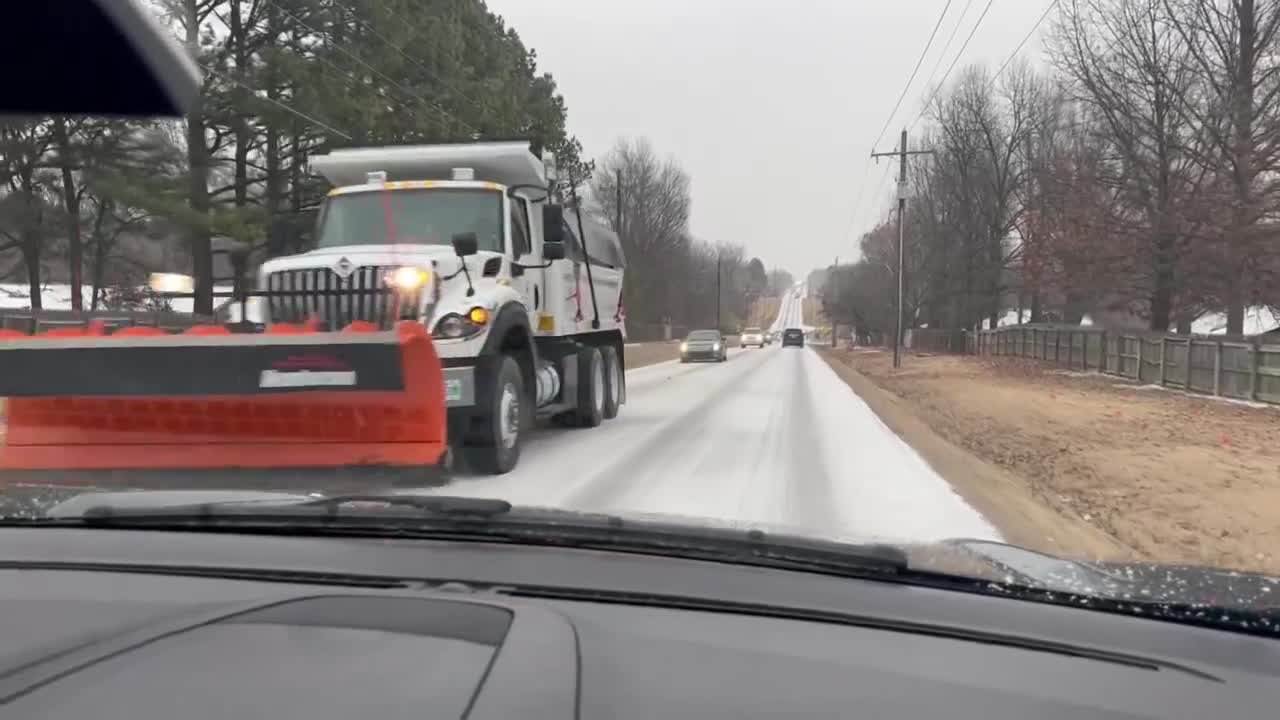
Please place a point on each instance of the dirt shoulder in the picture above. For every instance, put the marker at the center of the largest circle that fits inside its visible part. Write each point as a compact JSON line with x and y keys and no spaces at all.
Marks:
{"x":1086,"y":464}
{"x":641,"y":354}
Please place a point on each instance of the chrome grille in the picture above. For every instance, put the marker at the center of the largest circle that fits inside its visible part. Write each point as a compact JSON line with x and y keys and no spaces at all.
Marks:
{"x":335,"y":301}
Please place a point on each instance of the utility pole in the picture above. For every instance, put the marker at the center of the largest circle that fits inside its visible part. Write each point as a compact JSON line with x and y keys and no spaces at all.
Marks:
{"x":902,"y":154}
{"x":717,"y":290}
{"x":835,"y":298}
{"x":618,"y":219}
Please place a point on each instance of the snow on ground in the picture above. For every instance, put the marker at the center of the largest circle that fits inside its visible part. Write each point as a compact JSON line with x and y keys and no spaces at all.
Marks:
{"x":1018,"y":317}
{"x":57,"y":296}
{"x":14,"y":296}
{"x":1257,"y":320}
{"x":773,"y":437}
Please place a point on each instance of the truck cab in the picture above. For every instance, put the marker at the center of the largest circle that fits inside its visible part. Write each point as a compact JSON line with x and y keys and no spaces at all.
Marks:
{"x":522,"y":300}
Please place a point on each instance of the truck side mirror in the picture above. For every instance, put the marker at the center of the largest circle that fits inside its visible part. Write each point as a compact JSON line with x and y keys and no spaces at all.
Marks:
{"x":239,"y":256}
{"x":229,"y":256}
{"x":552,"y":251}
{"x":465,"y":244}
{"x":552,"y":225}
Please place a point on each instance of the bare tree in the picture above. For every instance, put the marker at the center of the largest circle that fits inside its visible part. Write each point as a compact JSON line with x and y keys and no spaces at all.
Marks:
{"x":1125,"y":65}
{"x":656,"y":203}
{"x":1233,"y":47}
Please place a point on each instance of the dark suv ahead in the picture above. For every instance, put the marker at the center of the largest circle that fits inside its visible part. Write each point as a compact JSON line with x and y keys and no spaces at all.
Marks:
{"x":793,"y":336}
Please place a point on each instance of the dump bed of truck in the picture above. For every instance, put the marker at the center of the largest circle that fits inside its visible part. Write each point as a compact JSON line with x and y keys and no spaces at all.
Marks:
{"x":507,"y":163}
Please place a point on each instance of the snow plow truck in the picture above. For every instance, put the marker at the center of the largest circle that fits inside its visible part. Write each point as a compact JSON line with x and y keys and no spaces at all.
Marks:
{"x":522,"y":300}
{"x":449,"y":301}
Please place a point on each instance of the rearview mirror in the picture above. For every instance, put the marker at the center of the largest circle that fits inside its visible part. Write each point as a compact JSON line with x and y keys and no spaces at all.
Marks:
{"x":552,"y":251}
{"x":465,"y":244}
{"x":139,"y":69}
{"x":552,"y":225}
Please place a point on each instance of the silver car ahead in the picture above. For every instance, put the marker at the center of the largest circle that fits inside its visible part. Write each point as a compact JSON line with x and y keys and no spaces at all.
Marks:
{"x":704,"y":345}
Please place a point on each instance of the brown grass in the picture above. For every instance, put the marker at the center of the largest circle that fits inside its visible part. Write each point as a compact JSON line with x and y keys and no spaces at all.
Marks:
{"x":1168,"y":477}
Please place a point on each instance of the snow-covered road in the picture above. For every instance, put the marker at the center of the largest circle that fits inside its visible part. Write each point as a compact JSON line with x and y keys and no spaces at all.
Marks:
{"x":771,"y":437}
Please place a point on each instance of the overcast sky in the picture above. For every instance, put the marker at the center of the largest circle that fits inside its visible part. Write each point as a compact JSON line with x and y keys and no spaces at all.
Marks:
{"x":771,"y":106}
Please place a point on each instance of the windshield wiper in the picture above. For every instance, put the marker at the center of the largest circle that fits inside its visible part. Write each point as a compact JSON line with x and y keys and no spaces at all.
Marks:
{"x":452,"y":505}
{"x":486,"y":519}
{"x":444,"y":517}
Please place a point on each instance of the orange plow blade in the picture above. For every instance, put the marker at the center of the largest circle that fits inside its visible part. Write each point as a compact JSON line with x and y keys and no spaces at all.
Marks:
{"x":137,"y":404}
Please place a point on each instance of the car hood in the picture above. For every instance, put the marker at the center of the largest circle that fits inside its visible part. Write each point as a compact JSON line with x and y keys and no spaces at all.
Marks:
{"x":1000,"y":563}
{"x":1194,"y":585}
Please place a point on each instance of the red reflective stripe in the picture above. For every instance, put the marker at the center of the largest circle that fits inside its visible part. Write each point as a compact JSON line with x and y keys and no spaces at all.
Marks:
{"x":207,"y":330}
{"x":360,"y":326}
{"x":139,"y":330}
{"x":7,"y":333}
{"x":62,"y":332}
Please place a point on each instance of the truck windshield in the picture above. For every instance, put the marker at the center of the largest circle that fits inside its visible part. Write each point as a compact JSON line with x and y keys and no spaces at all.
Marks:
{"x":430,"y":216}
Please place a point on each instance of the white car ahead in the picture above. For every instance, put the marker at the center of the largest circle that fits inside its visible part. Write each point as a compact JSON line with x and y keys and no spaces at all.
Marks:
{"x":752,"y":336}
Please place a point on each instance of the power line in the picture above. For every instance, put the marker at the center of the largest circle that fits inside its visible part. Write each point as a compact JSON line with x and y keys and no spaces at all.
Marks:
{"x":857,"y":202}
{"x":919,"y":61}
{"x":951,"y":67}
{"x":883,"y":177}
{"x":947,"y":46}
{"x":372,"y":69}
{"x":359,"y":84}
{"x":1027,"y":37}
{"x":862,"y":185}
{"x":400,"y":51}
{"x":256,"y":93}
{"x":352,"y":81}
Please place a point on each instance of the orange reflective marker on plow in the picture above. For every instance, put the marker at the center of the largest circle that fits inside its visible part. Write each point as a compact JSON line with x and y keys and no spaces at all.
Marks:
{"x":84,"y":406}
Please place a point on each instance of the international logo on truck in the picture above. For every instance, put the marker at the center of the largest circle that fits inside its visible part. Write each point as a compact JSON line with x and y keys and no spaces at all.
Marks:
{"x":343,"y":268}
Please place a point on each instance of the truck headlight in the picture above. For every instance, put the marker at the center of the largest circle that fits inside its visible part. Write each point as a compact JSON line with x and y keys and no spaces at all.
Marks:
{"x":684,"y":347}
{"x":171,"y":283}
{"x":408,"y":279}
{"x":455,"y":326}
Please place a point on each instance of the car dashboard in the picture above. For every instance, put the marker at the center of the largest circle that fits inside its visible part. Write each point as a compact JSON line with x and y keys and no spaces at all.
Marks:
{"x":110,"y":624}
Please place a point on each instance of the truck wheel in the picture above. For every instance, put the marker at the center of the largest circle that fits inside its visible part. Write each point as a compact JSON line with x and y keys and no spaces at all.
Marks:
{"x":496,"y":446}
{"x":591,"y":388}
{"x":614,"y":378}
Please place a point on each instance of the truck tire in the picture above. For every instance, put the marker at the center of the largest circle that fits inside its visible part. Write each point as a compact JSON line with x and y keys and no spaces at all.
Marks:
{"x":495,"y":446}
{"x":614,"y":377}
{"x":591,"y":388}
